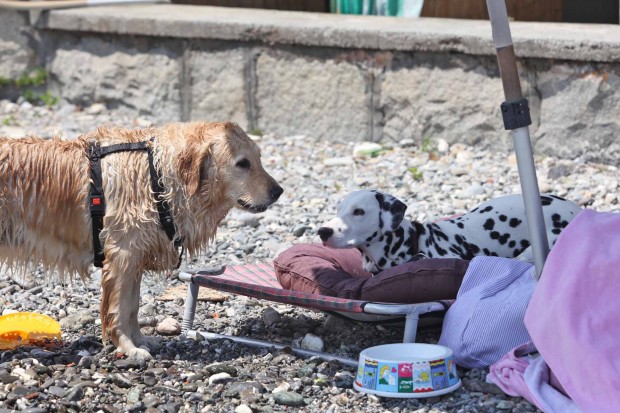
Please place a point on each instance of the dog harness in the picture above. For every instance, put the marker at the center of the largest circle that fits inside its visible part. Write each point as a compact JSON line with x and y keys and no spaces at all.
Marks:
{"x":97,"y":199}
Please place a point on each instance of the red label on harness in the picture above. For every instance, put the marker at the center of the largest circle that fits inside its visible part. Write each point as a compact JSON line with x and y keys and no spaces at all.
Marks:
{"x":96,"y":201}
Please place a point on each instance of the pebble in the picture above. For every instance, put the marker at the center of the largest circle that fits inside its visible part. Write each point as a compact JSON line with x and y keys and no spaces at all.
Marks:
{"x":81,"y":372}
{"x":219,"y":378}
{"x":95,"y":109}
{"x":312,"y":342}
{"x":367,"y":149}
{"x":243,"y":408}
{"x":289,"y":398}
{"x":505,"y":405}
{"x":249,"y":220}
{"x":300,"y":230}
{"x":271,"y":316}
{"x":133,"y":395}
{"x":169,"y":327}
{"x":121,"y":380}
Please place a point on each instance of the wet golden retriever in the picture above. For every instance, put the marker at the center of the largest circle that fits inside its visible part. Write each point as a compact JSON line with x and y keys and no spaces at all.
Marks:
{"x":206,"y":169}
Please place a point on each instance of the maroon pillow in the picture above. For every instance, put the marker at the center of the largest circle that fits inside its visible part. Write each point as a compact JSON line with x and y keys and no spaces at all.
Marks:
{"x":313,"y":268}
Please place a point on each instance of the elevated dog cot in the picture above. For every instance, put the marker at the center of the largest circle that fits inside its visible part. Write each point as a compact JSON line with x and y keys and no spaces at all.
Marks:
{"x":260,"y":281}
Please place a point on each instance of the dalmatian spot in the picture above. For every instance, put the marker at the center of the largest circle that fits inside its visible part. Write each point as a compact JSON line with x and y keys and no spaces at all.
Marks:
{"x":546,"y":200}
{"x":382,"y":262}
{"x":473,"y":248}
{"x":486,"y":251}
{"x":494,"y":235}
{"x":517,"y":252}
{"x":487,"y":209}
{"x":525,"y":243}
{"x":489,"y":224}
{"x":503,"y":239}
{"x":441,"y":235}
{"x":512,"y":244}
{"x":556,"y":231}
{"x":420,"y":229}
{"x":374,"y":234}
{"x":515,"y":222}
{"x":460,"y":225}
{"x":503,"y":218}
{"x":400,"y":237}
{"x":441,"y":251}
{"x":388,"y":242}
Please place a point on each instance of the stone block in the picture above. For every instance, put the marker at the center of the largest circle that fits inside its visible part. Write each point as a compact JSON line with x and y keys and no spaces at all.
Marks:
{"x":218,"y":86}
{"x":453,"y":98}
{"x":579,"y":112}
{"x":146,"y":80}
{"x":320,"y":98}
{"x":15,"y":51}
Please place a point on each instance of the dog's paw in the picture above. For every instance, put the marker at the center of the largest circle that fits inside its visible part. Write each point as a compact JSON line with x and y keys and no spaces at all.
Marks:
{"x":138,"y":354}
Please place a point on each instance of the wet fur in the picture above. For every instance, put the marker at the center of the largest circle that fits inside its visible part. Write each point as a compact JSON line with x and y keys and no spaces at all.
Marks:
{"x":44,"y":215}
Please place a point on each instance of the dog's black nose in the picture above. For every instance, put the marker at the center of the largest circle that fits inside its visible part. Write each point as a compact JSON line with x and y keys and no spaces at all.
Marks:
{"x":276,"y":191}
{"x":325,"y":233}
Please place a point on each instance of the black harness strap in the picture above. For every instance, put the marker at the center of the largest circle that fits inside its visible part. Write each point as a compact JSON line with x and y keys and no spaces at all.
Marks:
{"x":97,"y":199}
{"x":163,"y":209}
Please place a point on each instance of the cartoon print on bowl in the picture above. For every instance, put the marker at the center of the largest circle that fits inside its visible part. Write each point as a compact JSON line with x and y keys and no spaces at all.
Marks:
{"x":439,"y":374}
{"x":405,"y":385}
{"x":360,"y":375}
{"x":422,"y":377}
{"x":388,"y":377}
{"x":404,"y":370}
{"x":453,"y":376}
{"x":370,"y":374}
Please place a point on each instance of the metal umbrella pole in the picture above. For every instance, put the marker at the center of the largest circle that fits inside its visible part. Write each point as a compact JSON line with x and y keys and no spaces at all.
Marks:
{"x":516,"y":116}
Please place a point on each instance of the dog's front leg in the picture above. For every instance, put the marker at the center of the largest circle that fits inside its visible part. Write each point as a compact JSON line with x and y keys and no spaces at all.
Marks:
{"x":139,"y":339}
{"x":120,"y":300}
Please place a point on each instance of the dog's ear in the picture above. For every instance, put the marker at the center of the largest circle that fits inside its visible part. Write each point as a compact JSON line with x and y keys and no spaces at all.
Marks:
{"x":194,"y":166}
{"x":391,"y":211}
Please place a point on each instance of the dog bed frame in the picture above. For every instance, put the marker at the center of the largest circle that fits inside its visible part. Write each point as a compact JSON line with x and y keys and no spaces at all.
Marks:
{"x":260,"y":281}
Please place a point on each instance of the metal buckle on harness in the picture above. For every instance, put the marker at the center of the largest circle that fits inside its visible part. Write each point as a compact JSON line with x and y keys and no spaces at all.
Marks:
{"x":94,"y":152}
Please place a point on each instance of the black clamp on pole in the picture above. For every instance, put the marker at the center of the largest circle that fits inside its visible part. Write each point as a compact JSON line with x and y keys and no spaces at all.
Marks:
{"x":516,"y":114}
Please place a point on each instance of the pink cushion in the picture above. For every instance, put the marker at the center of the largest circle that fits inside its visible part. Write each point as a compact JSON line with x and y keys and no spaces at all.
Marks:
{"x":313,"y":268}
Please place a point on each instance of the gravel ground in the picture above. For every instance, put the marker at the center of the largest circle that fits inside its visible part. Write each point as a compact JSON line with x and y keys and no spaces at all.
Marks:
{"x":81,"y":373}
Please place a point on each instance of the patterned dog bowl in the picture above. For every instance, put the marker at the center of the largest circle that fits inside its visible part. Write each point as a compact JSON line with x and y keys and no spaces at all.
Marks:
{"x":407,"y":370}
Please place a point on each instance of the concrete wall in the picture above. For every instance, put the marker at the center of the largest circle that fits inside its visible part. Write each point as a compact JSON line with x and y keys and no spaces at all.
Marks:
{"x":339,"y":78}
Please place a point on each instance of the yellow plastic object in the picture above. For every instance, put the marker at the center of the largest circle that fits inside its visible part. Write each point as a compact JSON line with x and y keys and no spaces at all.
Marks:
{"x":23,"y":328}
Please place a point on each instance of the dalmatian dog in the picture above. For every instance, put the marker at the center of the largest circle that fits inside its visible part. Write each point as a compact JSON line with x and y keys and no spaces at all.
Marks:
{"x":374,"y":223}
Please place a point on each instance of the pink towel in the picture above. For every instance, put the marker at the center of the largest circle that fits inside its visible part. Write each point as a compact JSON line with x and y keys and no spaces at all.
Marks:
{"x":574,"y":311}
{"x":520,"y":374}
{"x":508,"y":372}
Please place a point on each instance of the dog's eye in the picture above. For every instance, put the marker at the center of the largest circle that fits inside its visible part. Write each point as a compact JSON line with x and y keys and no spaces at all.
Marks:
{"x":243,"y":164}
{"x":358,"y":211}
